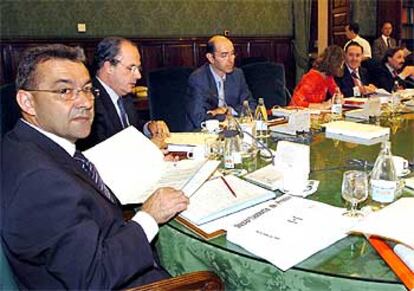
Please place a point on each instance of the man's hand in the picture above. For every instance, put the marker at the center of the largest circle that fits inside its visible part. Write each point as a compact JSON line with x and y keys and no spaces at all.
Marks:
{"x":218,"y":111}
{"x":165,"y":203}
{"x":408,"y":71}
{"x":158,"y":129}
{"x":366,"y":90}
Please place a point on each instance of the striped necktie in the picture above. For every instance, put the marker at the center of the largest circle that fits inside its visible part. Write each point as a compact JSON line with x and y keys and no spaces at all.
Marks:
{"x":92,"y":172}
{"x":357,"y":81}
{"x":221,"y":97}
{"x":124,"y":115}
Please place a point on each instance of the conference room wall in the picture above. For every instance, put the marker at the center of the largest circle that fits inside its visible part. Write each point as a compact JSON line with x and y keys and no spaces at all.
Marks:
{"x":152,"y":18}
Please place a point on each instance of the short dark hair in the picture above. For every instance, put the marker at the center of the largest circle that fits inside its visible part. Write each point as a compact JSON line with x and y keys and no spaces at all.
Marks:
{"x":353,"y":26}
{"x":107,"y":50}
{"x":353,"y":43}
{"x":389,"y":53}
{"x":32,"y":57}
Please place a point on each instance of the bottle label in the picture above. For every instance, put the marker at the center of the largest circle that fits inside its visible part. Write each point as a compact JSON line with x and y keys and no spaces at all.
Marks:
{"x":336,"y":109}
{"x":383,"y":191}
{"x":261,"y":125}
{"x":228,"y":162}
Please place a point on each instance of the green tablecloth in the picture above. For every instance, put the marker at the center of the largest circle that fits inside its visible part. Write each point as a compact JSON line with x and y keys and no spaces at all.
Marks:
{"x":350,"y":264}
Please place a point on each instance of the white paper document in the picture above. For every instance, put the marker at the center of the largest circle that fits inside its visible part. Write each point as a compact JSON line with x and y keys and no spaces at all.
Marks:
{"x":214,"y":199}
{"x":133,"y":167}
{"x":288,"y":230}
{"x":392,"y":222}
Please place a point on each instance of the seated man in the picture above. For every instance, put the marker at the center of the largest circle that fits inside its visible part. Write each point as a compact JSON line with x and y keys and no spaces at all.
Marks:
{"x":355,"y":81}
{"x":351,"y":32}
{"x":217,"y":86}
{"x":62,"y":228}
{"x":118,"y":65}
{"x":384,"y":42}
{"x":392,"y":69}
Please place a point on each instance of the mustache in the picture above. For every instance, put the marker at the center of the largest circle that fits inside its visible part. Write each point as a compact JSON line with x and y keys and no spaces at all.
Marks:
{"x":83,"y":113}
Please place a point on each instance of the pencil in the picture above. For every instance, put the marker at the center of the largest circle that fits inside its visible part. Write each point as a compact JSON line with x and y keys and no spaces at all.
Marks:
{"x":228,"y":186}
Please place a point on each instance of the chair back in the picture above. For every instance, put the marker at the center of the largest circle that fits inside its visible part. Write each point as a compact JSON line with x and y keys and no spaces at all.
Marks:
{"x":9,"y":110}
{"x":267,"y":80}
{"x":7,"y":281}
{"x":167,"y":89}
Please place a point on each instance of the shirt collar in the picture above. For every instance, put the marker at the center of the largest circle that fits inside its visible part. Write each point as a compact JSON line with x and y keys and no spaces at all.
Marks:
{"x":384,"y":38}
{"x":217,"y":78}
{"x":112,"y":94}
{"x":390,"y":68}
{"x":67,"y":145}
{"x":352,"y":70}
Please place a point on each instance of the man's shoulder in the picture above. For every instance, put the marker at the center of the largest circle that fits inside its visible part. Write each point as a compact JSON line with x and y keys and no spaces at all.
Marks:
{"x":200,"y":71}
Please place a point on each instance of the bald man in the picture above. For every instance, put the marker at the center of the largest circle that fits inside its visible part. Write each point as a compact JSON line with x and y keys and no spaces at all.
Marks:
{"x":217,"y":86}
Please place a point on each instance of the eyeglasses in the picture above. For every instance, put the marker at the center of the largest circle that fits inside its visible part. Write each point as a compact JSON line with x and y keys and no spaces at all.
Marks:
{"x":132,"y":68}
{"x":69,"y":94}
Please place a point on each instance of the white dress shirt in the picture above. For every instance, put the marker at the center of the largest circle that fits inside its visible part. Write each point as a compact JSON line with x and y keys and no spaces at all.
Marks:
{"x":220,"y":89}
{"x":145,"y":220}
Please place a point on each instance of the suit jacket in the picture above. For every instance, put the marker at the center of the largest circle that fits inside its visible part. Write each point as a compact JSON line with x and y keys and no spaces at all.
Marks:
{"x":203,"y":95}
{"x":106,"y":122}
{"x":59,"y":231}
{"x":346,"y":83}
{"x":384,"y":79}
{"x":379,"y":48}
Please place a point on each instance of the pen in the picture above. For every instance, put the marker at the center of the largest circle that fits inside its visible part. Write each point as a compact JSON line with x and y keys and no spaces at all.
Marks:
{"x":228,"y":186}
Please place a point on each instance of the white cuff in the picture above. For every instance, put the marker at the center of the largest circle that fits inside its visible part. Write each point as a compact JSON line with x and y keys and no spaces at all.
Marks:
{"x":146,"y":130}
{"x":148,"y":224}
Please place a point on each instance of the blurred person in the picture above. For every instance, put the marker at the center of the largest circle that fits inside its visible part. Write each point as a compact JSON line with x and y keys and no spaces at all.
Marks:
{"x":217,"y":86}
{"x":384,"y":42}
{"x":317,"y":86}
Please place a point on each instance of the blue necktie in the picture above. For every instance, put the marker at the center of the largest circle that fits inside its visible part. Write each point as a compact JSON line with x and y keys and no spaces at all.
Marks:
{"x":92,"y":172}
{"x":124,"y":115}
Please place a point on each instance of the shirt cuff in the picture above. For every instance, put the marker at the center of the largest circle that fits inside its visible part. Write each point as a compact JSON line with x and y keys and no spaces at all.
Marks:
{"x":148,"y":224}
{"x":146,"y":130}
{"x":233,"y":112}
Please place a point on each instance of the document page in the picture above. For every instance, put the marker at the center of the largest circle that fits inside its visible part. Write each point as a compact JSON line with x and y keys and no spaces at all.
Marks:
{"x":290,"y":229}
{"x":392,"y":222}
{"x":214,"y":199}
{"x":353,"y":129}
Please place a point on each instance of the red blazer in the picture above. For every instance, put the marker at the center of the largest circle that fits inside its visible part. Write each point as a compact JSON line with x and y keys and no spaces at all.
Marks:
{"x":312,"y":88}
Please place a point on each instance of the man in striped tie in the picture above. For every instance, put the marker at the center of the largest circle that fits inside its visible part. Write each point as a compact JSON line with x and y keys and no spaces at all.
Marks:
{"x":117,"y":64}
{"x":62,"y":228}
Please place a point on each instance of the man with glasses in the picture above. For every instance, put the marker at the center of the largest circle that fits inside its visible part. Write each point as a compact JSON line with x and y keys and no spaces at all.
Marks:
{"x":118,"y":67}
{"x":217,"y":87}
{"x":62,"y":228}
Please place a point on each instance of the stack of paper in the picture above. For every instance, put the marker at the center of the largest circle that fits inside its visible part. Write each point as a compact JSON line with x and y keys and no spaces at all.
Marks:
{"x":357,"y":132}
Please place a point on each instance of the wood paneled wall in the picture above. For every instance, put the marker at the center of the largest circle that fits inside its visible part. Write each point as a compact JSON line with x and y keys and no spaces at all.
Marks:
{"x":163,"y":52}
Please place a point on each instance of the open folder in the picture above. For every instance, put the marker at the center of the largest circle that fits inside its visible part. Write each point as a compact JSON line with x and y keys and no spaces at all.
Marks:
{"x":133,"y":167}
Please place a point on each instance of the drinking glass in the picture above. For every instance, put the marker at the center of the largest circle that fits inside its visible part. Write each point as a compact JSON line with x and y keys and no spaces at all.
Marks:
{"x":354,"y":190}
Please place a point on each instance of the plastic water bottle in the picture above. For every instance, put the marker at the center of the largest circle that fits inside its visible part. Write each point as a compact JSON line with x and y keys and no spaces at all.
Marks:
{"x":384,"y":181}
{"x":246,"y":115}
{"x":336,"y":108}
{"x":232,"y":145}
{"x":395,"y":97}
{"x":260,"y":124}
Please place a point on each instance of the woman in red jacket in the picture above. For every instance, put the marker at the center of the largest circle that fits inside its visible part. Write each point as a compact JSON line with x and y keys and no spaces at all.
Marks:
{"x":312,"y":90}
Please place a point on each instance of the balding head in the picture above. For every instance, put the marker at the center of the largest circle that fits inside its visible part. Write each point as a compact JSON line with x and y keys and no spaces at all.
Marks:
{"x":220,"y":54}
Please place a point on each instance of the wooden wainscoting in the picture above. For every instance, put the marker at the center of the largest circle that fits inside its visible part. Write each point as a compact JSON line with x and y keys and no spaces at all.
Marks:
{"x":162,"y":52}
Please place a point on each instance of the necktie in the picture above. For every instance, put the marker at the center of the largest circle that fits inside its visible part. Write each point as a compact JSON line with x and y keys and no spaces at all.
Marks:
{"x":124,"y":115}
{"x":357,"y":81}
{"x":92,"y":172}
{"x":221,"y":98}
{"x":388,"y":42}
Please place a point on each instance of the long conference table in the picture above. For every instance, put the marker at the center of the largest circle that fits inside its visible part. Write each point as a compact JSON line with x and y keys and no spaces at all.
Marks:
{"x":349,"y":264}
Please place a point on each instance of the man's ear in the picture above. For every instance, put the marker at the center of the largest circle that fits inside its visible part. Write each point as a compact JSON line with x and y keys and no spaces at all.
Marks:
{"x":108,"y":67}
{"x":26,"y":102}
{"x":210,"y":57}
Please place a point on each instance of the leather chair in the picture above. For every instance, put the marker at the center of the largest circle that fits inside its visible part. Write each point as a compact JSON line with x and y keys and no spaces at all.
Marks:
{"x":167,"y":89}
{"x":10,"y":111}
{"x":267,"y":80}
{"x":203,"y":280}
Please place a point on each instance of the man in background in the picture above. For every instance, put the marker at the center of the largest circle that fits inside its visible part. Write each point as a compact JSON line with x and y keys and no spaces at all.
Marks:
{"x":392,"y":69}
{"x":118,"y":65}
{"x":384,"y":42}
{"x":217,"y":86}
{"x":352,"y":33}
{"x":355,"y":81}
{"x":62,"y":227}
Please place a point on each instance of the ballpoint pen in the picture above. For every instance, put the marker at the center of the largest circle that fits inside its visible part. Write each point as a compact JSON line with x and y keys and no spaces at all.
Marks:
{"x":228,"y":186}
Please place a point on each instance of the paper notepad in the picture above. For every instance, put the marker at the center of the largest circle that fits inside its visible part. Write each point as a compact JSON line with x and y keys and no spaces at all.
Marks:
{"x":133,"y":167}
{"x":214,"y":200}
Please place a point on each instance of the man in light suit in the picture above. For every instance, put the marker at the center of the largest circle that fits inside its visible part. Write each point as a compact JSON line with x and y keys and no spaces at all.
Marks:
{"x":118,"y":64}
{"x":384,"y":42}
{"x":356,"y":80}
{"x":217,"y":86}
{"x":62,"y":228}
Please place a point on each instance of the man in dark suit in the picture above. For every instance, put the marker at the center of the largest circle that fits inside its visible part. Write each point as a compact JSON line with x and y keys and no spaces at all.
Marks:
{"x":355,"y":81}
{"x":217,"y":86}
{"x":118,"y":63}
{"x":384,"y":42}
{"x":392,"y":69}
{"x":62,"y":228}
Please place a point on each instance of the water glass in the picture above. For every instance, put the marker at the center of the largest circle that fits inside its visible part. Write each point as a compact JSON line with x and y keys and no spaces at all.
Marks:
{"x":354,"y":190}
